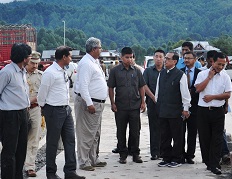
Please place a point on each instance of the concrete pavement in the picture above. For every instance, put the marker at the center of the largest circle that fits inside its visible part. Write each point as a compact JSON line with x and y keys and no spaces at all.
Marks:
{"x":148,"y":169}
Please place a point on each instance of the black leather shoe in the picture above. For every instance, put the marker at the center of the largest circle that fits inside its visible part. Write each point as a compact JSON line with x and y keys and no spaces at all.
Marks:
{"x":116,"y":150}
{"x":74,"y":177}
{"x":137,"y":159}
{"x":216,"y":171}
{"x":189,"y":161}
{"x":156,"y":157}
{"x":122,"y":160}
{"x":52,"y":176}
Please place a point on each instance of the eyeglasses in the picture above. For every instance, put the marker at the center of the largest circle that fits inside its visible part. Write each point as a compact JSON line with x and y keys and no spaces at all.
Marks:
{"x":188,"y":58}
{"x":65,"y":77}
{"x":167,"y":58}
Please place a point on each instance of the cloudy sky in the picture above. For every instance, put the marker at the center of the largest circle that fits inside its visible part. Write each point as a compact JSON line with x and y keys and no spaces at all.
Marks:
{"x":5,"y":1}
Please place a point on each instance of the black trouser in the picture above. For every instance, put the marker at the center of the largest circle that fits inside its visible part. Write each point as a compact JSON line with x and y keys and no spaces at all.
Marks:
{"x":154,"y":127}
{"x":210,"y":128}
{"x":59,"y":122}
{"x":14,"y":143}
{"x":122,"y":118}
{"x":225,"y":148}
{"x":191,"y":124}
{"x":171,"y":129}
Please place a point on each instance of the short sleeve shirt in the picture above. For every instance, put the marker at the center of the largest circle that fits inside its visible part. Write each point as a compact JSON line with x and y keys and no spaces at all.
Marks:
{"x":34,"y":81}
{"x":127,"y":84}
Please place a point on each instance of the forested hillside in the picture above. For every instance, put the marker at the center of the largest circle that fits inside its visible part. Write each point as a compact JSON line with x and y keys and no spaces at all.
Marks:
{"x":147,"y":23}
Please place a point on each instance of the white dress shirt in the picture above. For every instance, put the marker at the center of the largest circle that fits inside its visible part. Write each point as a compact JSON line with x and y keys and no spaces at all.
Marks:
{"x":219,"y":84}
{"x":54,"y":88}
{"x":185,"y":95}
{"x":90,"y":82}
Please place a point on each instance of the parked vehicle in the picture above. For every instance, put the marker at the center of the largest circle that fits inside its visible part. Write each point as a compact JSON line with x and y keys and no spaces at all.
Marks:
{"x":148,"y":61}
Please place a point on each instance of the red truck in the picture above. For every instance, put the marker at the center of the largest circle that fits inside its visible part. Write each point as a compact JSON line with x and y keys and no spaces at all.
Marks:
{"x":10,"y":34}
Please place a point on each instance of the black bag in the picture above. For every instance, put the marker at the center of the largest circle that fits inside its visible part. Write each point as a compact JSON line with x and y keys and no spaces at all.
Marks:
{"x":70,"y":81}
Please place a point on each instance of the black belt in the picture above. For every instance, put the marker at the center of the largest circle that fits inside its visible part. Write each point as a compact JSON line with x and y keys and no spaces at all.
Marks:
{"x":63,"y":106}
{"x":210,"y":108}
{"x":93,"y":99}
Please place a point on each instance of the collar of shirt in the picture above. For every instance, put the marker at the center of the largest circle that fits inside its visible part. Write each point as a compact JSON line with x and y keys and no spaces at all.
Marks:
{"x":57,"y":66}
{"x":123,"y":67}
{"x":92,"y":59}
{"x":170,"y":69}
{"x":191,"y":69}
{"x":154,"y":68}
{"x":17,"y":69}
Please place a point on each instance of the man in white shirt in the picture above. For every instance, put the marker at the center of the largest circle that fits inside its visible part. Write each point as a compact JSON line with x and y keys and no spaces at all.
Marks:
{"x":214,"y":87}
{"x":91,"y":91}
{"x":53,"y":97}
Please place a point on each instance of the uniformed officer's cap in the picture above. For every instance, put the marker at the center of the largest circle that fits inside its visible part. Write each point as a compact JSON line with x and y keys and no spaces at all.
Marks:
{"x":35,"y":57}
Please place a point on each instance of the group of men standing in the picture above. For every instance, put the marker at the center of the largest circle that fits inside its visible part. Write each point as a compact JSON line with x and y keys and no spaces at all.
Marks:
{"x":175,"y":99}
{"x":189,"y":99}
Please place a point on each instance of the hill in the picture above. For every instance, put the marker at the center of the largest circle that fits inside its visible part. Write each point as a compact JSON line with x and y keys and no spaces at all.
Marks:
{"x":120,"y":22}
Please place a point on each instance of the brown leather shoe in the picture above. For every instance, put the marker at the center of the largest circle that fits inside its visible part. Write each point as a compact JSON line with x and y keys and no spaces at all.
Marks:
{"x":87,"y":168}
{"x":137,"y":159}
{"x":100,"y":164}
{"x":31,"y":173}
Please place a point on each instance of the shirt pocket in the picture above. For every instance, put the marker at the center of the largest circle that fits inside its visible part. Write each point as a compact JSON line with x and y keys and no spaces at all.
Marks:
{"x":134,"y":80}
{"x":121,"y":80}
{"x":220,"y":88}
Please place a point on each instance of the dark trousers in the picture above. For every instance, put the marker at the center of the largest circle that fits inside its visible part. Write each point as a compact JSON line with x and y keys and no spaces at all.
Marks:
{"x":14,"y":143}
{"x":122,"y":119}
{"x":191,"y":125}
{"x":59,"y":122}
{"x":154,"y":127}
{"x":210,"y":128}
{"x":171,"y":129}
{"x":225,"y":148}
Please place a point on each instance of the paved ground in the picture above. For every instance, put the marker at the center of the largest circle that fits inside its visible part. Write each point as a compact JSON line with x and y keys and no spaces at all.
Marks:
{"x":131,"y":170}
{"x":148,"y":169}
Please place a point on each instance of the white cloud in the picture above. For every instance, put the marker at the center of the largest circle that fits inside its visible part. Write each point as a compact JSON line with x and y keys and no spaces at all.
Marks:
{"x":6,"y":1}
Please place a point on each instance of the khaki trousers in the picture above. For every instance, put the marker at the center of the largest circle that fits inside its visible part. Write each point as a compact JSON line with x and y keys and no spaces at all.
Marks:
{"x":33,"y":138}
{"x":88,"y":130}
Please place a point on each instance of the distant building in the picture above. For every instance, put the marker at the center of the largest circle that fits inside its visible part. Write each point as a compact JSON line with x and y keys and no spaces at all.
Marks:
{"x":49,"y":55}
{"x":199,"y":47}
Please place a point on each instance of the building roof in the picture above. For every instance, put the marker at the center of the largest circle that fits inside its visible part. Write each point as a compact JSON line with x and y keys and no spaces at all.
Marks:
{"x":48,"y":53}
{"x":200,"y":46}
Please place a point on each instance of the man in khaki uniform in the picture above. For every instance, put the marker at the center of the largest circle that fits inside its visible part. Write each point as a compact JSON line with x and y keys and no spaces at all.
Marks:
{"x":33,"y":80}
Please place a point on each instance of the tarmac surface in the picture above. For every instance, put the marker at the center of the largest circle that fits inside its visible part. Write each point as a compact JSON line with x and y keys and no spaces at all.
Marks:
{"x":148,"y":169}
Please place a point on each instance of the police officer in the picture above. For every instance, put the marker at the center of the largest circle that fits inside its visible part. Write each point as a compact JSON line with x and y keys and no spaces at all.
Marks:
{"x":33,"y":79}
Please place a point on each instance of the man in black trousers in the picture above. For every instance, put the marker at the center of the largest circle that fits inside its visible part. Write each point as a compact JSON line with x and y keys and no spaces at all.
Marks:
{"x":14,"y":103}
{"x":150,"y":76}
{"x":191,"y":123}
{"x":173,"y":101}
{"x":53,"y":97}
{"x":214,"y":87}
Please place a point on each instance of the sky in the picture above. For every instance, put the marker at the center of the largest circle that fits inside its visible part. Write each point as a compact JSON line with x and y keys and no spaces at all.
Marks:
{"x":6,"y":1}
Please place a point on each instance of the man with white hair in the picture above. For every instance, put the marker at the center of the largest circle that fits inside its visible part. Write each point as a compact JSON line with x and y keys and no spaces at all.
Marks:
{"x":91,"y":91}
